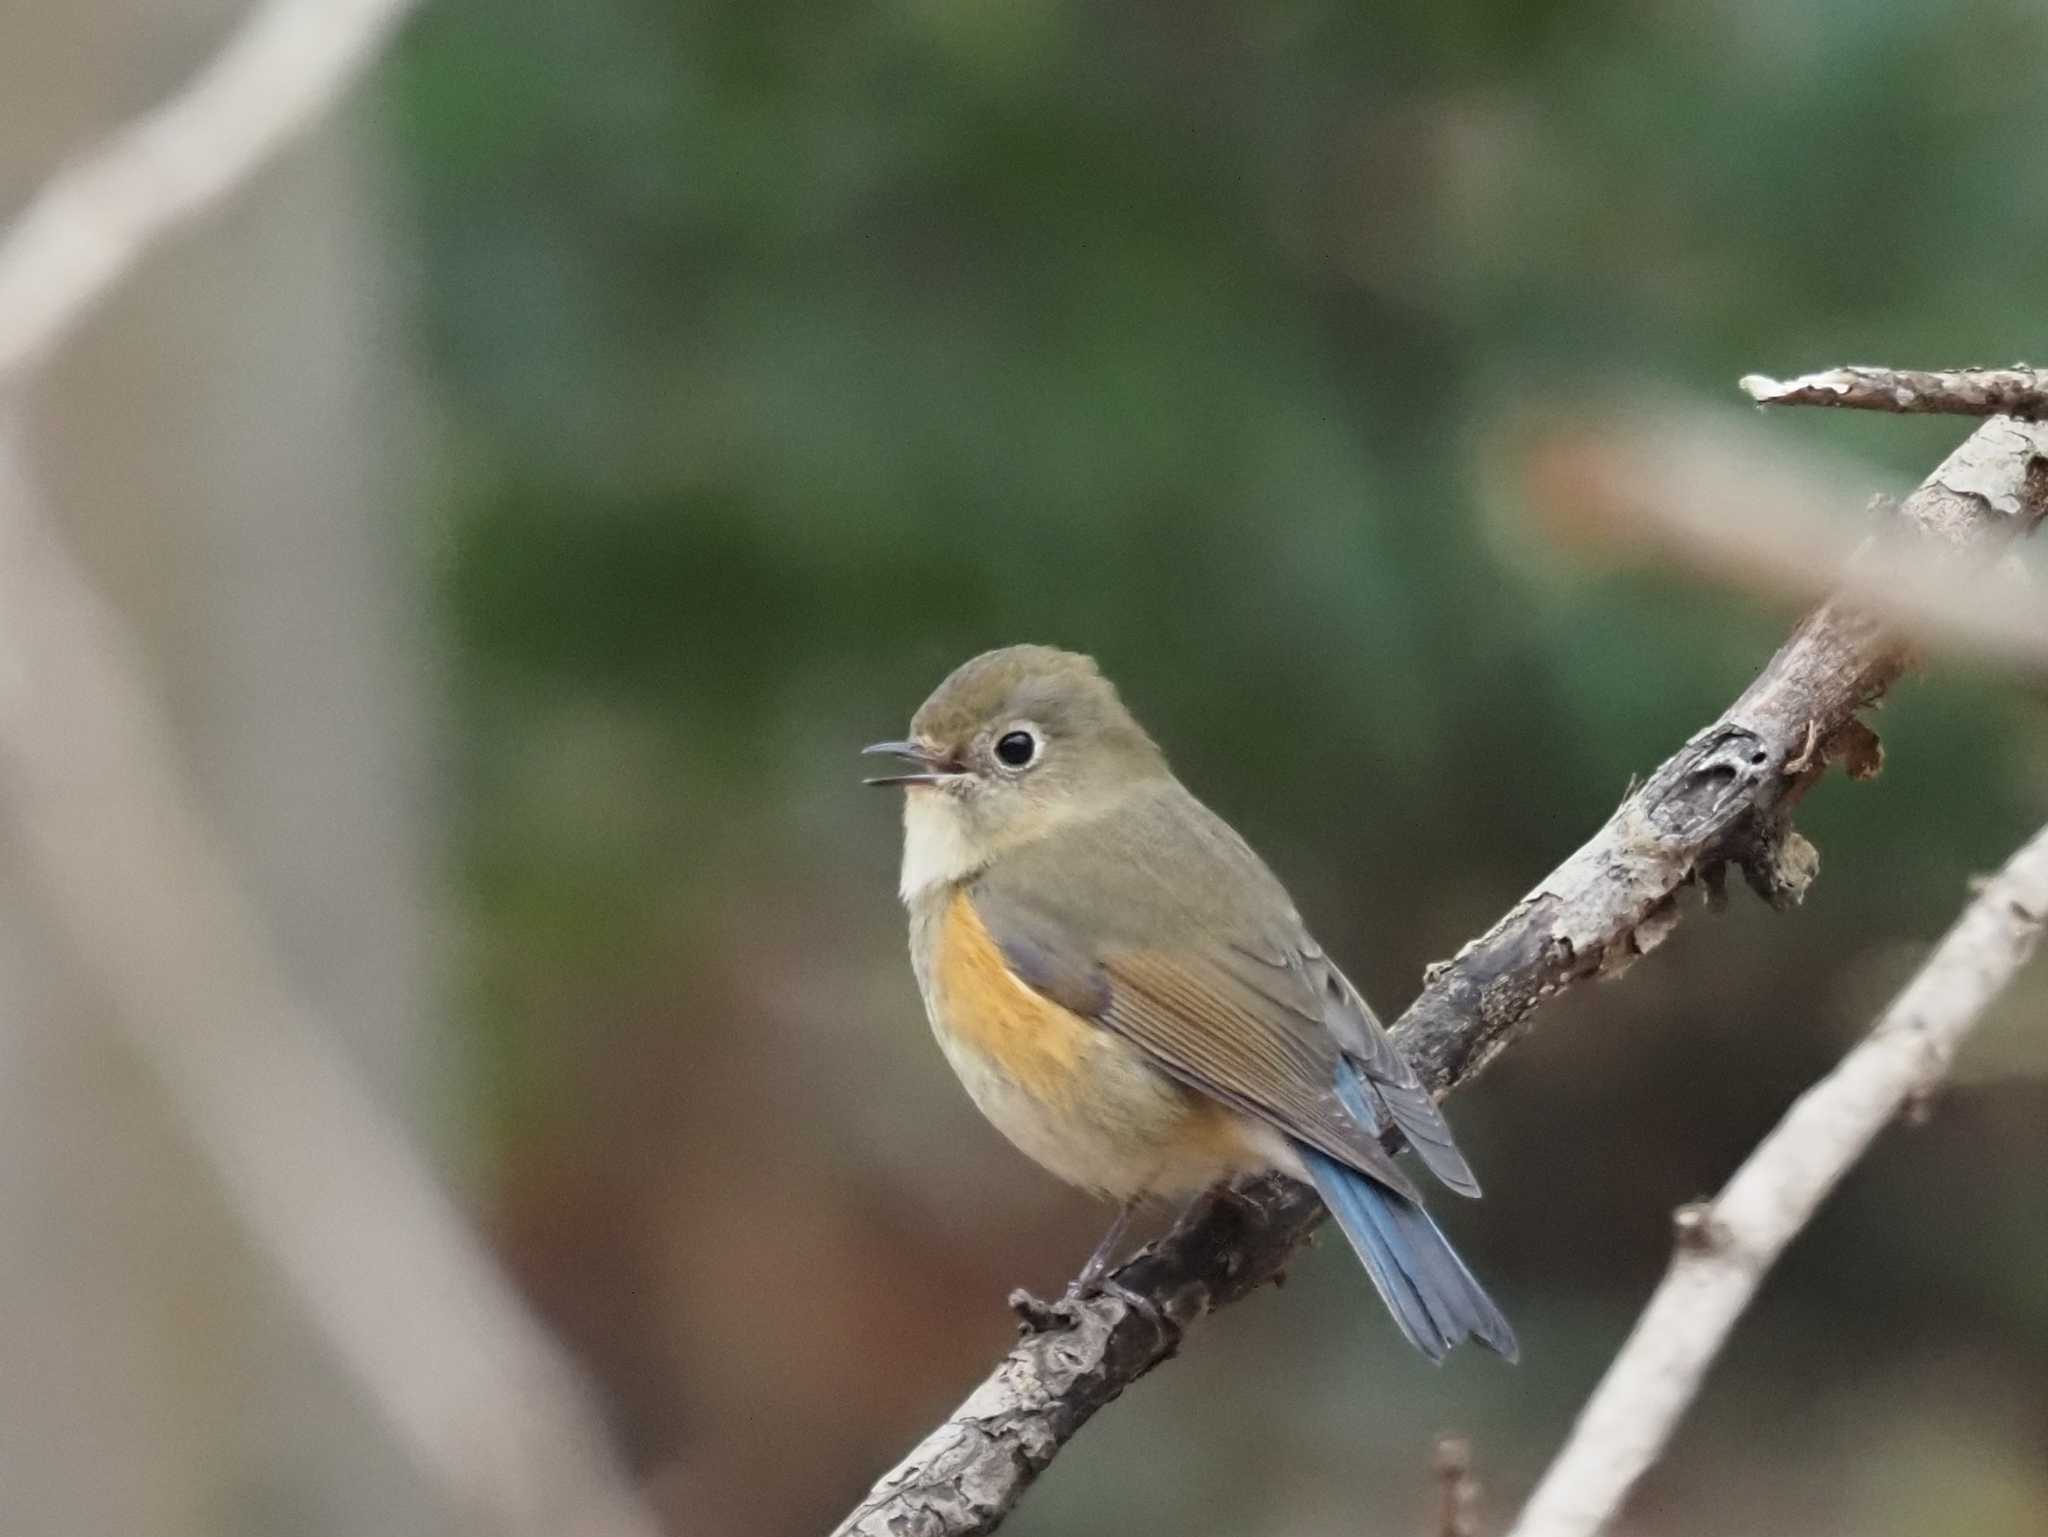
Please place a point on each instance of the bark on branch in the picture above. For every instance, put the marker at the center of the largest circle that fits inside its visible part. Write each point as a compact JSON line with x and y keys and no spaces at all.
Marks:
{"x":2019,"y":391}
{"x":1727,"y":1246}
{"x":1722,"y":801}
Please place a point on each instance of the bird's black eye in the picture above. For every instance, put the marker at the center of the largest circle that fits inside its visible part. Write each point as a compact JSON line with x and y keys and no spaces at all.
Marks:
{"x":1016,"y":749}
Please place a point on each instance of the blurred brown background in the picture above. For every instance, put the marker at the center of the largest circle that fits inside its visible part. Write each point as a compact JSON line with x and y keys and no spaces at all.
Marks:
{"x":534,"y":490}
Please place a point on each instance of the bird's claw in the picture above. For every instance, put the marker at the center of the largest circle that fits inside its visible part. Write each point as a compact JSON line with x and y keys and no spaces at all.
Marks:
{"x":1039,"y":1316}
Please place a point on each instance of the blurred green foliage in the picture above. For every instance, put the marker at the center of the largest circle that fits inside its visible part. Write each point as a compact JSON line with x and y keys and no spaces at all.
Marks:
{"x":790,"y":353}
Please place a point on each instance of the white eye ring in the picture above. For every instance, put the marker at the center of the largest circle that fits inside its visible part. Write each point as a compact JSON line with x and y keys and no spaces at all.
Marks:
{"x":1016,"y":748}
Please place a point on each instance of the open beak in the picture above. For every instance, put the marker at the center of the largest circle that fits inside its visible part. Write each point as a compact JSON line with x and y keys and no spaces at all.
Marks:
{"x":933,"y":769}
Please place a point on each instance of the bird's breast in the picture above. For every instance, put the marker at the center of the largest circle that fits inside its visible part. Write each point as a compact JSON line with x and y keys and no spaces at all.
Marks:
{"x":1078,"y":1099}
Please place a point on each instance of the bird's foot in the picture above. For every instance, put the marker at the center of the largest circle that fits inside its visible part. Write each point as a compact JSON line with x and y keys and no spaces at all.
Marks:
{"x":1039,"y":1316}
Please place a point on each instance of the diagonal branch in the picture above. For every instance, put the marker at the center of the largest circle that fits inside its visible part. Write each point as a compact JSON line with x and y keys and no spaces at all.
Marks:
{"x":2020,"y":391}
{"x":1728,"y":1245}
{"x":1722,"y":799}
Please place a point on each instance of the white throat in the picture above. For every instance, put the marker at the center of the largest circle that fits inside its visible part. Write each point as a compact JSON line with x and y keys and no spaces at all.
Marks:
{"x":935,"y":848}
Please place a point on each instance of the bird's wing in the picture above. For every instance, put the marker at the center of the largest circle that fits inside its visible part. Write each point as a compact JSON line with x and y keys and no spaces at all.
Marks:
{"x":1350,"y":1019}
{"x":1200,"y":960}
{"x":1194,"y":1021}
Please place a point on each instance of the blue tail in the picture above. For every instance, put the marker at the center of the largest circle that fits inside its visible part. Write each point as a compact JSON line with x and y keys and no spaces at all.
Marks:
{"x":1425,"y":1285}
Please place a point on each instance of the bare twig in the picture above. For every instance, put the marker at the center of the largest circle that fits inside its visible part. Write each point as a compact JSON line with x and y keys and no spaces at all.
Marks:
{"x":1701,"y":490}
{"x":2018,"y":391}
{"x":1726,"y":1246}
{"x":1723,"y":799}
{"x":280,"y":71}
{"x":94,"y":807}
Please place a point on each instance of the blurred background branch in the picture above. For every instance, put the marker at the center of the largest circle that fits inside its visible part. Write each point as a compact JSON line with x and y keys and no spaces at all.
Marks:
{"x":326,"y":1182}
{"x":1457,"y":1511}
{"x":1727,"y":1246}
{"x":282,"y":67}
{"x":1724,"y":799}
{"x":1715,"y":496}
{"x":2017,"y":392}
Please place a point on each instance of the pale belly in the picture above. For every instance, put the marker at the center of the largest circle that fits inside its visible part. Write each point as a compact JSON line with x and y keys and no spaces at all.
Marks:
{"x":1115,"y":1138}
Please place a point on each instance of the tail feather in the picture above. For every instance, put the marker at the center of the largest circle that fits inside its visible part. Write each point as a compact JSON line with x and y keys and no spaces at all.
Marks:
{"x":1427,"y":1288}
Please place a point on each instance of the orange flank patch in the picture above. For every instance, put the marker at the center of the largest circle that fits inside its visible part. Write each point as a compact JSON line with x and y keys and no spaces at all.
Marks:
{"x":1114,"y":1123}
{"x":1041,"y":1047}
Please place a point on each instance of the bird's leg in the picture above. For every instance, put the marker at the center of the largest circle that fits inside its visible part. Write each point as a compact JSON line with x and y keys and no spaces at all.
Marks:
{"x":1039,"y":1316}
{"x":1098,"y":1263}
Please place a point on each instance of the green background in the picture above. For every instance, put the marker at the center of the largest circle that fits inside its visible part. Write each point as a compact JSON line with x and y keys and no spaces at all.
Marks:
{"x":786,"y":354}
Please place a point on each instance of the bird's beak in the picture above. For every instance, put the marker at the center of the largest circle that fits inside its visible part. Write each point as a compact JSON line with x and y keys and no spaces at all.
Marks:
{"x":936,"y":769}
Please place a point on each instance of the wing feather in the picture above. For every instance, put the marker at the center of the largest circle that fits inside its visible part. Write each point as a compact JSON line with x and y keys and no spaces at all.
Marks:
{"x":1188,"y":1022}
{"x":1309,"y":981}
{"x":1170,"y":931}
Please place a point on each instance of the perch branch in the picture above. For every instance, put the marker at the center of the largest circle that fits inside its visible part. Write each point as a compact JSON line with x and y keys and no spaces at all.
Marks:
{"x":285,"y":65}
{"x":95,"y":810}
{"x":1727,"y":1246}
{"x":1722,"y":800}
{"x":2019,"y":391}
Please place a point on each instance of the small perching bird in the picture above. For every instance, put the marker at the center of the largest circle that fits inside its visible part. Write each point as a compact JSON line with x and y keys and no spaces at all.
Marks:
{"x":1129,"y":995}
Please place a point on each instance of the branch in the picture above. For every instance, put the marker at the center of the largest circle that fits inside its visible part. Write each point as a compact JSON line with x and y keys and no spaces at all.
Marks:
{"x":94,"y":808}
{"x":1723,"y":799}
{"x":1728,"y":1245}
{"x":2019,"y":391}
{"x":285,"y":65}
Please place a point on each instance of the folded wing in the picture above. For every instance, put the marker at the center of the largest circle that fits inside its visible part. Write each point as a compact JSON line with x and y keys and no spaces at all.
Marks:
{"x":1205,"y":966}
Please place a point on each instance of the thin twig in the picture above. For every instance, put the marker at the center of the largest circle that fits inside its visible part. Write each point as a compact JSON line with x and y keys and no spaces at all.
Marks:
{"x":1723,"y":799}
{"x":1457,"y":1491}
{"x":285,"y":65}
{"x":94,"y":805}
{"x":2017,"y":391}
{"x":1727,"y":1246}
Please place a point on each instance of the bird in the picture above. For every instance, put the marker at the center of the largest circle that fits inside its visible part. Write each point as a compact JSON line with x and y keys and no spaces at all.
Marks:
{"x":1129,"y":995}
